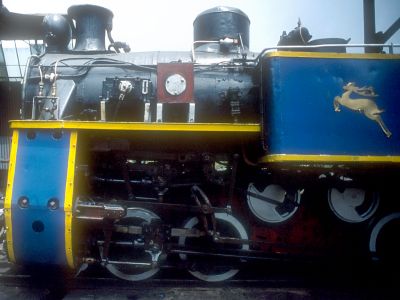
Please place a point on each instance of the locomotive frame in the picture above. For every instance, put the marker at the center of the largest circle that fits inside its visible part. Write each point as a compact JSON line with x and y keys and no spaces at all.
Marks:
{"x":203,"y":160}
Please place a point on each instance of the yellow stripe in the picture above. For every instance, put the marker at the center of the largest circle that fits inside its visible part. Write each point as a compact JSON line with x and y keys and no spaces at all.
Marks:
{"x":190,"y":127}
{"x":296,"y":54}
{"x":277,"y":158}
{"x":9,"y":192}
{"x":68,"y":202}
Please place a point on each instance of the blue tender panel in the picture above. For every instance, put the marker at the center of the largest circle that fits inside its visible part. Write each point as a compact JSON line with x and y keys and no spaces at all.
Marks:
{"x":40,"y":175}
{"x":299,"y":114}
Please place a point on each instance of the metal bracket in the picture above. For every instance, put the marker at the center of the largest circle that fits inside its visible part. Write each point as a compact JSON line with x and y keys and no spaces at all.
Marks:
{"x":39,"y":103}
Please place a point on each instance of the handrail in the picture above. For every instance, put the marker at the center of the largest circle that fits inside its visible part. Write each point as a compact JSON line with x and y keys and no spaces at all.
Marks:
{"x":302,"y":47}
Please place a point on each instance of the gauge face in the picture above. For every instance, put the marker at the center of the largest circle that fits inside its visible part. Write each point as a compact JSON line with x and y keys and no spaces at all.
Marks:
{"x":175,"y":84}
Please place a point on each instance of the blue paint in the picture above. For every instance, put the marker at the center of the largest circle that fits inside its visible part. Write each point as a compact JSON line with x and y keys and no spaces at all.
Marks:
{"x":299,"y":113}
{"x":40,"y":174}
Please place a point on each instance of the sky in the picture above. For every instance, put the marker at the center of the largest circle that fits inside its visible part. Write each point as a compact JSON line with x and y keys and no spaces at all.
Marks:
{"x":168,"y":25}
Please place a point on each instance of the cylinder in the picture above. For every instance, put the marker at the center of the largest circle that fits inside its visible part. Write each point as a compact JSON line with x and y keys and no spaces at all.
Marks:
{"x":91,"y":23}
{"x":221,"y":22}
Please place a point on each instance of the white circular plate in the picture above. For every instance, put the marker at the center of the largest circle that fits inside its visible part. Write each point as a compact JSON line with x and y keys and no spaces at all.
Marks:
{"x":353,"y":205}
{"x":269,"y":205}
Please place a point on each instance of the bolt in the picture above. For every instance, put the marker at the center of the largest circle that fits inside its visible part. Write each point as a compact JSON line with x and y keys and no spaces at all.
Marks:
{"x":23,"y":202}
{"x":52,"y":204}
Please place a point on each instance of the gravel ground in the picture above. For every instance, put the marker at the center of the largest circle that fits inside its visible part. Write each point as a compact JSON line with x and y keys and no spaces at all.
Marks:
{"x":299,"y":281}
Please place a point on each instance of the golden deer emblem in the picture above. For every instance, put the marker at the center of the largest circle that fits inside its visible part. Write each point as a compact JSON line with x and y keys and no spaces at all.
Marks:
{"x":363,"y":105}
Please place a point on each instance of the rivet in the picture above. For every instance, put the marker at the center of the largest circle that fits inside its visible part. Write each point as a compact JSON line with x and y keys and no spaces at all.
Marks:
{"x":23,"y":202}
{"x":53,"y":204}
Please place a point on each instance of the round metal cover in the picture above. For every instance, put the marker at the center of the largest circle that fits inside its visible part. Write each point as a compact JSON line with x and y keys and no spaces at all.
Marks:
{"x":353,"y":205}
{"x":274,"y":204}
{"x":175,"y":84}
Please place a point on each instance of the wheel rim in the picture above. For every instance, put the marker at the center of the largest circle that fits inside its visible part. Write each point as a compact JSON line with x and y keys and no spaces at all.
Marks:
{"x":211,"y":273}
{"x":132,"y":273}
{"x":383,"y":239}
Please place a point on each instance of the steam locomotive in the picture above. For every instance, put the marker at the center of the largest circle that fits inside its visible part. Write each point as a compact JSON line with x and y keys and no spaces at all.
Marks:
{"x":204,"y":159}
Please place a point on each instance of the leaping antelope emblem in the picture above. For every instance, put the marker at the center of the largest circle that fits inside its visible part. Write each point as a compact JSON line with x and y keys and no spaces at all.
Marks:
{"x":363,"y":105}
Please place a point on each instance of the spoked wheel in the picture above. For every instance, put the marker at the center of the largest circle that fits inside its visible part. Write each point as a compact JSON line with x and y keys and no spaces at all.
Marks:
{"x":141,"y":261}
{"x":3,"y":255}
{"x":213,"y":269}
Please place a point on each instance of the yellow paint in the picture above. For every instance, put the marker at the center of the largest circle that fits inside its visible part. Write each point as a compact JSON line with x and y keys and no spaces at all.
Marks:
{"x":279,"y":158}
{"x":68,"y":201}
{"x":296,"y":54}
{"x":8,"y":199}
{"x":130,"y":126}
